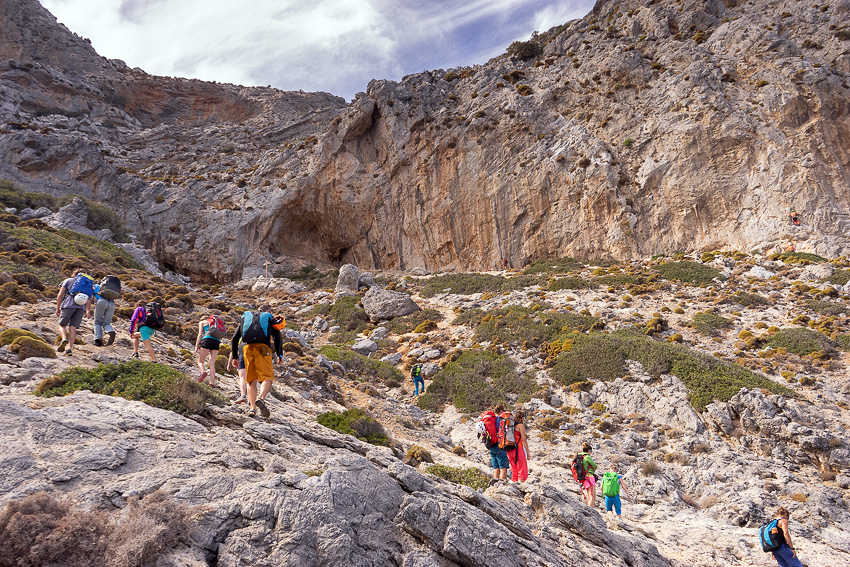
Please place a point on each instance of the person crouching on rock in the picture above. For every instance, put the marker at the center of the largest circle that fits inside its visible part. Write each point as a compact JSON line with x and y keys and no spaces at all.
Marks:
{"x":256,"y":332}
{"x":517,"y":456}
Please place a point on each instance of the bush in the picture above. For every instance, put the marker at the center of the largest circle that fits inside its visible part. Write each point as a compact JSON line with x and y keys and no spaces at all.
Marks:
{"x":600,"y":356}
{"x":827,"y":308}
{"x":356,"y":422}
{"x":312,"y":278}
{"x":517,"y":324}
{"x":568,"y":283}
{"x":8,"y":336}
{"x":689,"y":272}
{"x":801,"y":341}
{"x":149,"y":382}
{"x":345,"y":313}
{"x":476,"y":380}
{"x":473,"y":478}
{"x":27,"y":347}
{"x":557,"y":266}
{"x":650,"y":468}
{"x":374,"y":370}
{"x":709,"y":324}
{"x":525,"y":49}
{"x":41,"y":530}
{"x":419,"y":454}
{"x":467,"y":284}
{"x":798,"y":258}
{"x":408,"y":323}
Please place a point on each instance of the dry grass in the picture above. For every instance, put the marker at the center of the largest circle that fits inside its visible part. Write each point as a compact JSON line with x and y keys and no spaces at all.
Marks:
{"x":650,"y":468}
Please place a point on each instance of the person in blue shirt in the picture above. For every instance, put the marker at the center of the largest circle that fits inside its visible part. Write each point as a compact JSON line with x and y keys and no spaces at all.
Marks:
{"x":611,"y":485}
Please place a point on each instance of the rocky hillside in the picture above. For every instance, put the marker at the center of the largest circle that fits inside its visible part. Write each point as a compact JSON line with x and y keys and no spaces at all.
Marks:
{"x":717,"y":385}
{"x":637,"y":130}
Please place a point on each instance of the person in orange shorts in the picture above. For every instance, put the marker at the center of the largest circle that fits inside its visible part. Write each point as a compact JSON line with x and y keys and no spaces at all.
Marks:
{"x":256,"y":332}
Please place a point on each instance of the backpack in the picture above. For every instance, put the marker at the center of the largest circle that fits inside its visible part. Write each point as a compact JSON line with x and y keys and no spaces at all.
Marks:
{"x":153,"y":316}
{"x":487,"y":428}
{"x":507,"y":433}
{"x":610,"y":484}
{"x":110,"y":288}
{"x":579,"y":472}
{"x":215,"y":327}
{"x":256,"y":327}
{"x":416,"y":371}
{"x":771,"y":536}
{"x":82,"y":284}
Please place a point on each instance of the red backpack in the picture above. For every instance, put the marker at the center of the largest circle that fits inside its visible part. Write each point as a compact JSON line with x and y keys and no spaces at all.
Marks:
{"x":507,"y":433}
{"x":486,"y":427}
{"x":579,"y":472}
{"x":215,"y":327}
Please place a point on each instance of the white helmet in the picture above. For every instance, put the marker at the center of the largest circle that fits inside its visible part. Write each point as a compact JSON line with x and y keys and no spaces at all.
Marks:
{"x":81,"y":298}
{"x":481,"y":428}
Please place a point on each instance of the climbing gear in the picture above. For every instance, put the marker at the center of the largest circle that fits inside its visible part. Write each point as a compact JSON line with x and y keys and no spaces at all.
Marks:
{"x":771,"y":536}
{"x":81,"y":298}
{"x":610,"y":484}
{"x":507,"y":432}
{"x":82,"y":284}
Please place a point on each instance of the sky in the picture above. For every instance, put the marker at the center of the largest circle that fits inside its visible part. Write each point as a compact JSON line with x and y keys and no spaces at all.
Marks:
{"x":336,"y":46}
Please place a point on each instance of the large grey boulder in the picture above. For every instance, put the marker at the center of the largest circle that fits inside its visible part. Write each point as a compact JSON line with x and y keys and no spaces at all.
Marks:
{"x":348,"y":281}
{"x":364,"y":347}
{"x":73,"y":216}
{"x":382,"y":304}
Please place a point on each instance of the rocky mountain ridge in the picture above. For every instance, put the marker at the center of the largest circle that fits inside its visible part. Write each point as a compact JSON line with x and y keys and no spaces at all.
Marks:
{"x":639,"y":129}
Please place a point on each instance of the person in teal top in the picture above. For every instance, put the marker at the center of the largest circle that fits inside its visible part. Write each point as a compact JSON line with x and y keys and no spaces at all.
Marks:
{"x":206,"y":348}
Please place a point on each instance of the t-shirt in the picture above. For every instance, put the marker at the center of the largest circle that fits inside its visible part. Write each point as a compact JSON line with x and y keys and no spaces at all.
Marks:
{"x":589,"y":465}
{"x":68,"y":301}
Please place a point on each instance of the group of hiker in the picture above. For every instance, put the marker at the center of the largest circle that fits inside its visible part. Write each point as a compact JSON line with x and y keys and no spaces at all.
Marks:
{"x":254,"y":359}
{"x":584,"y":470}
{"x":506,"y":439}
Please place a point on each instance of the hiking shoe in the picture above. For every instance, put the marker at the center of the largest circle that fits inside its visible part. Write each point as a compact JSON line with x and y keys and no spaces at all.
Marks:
{"x":111,"y":338}
{"x":135,"y":355}
{"x":98,"y":342}
{"x":261,"y":405}
{"x":203,"y":375}
{"x":69,"y":352}
{"x":241,"y":400}
{"x":62,"y":345}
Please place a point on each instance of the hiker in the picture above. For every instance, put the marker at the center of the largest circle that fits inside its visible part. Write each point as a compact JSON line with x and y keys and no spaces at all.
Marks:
{"x":72,"y":301}
{"x":239,"y":365}
{"x":517,"y":456}
{"x":794,"y":218}
{"x":210,"y":332}
{"x":785,"y":554}
{"x":140,"y":329}
{"x":588,"y":485}
{"x":256,"y":332}
{"x":416,"y":374}
{"x":611,"y":484}
{"x":498,"y":456}
{"x":105,"y":294}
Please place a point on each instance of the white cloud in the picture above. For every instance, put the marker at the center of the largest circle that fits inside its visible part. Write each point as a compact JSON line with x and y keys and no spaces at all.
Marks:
{"x":331,"y":45}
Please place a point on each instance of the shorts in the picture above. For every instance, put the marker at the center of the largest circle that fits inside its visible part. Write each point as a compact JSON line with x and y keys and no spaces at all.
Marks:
{"x":613,"y":502}
{"x":71,"y":316}
{"x":258,"y":362}
{"x":498,"y":458}
{"x":210,"y":343}
{"x":588,"y":481}
{"x":146,"y":332}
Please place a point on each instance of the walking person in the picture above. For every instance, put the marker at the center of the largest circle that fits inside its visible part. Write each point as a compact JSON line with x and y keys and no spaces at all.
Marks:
{"x":786,"y":554}
{"x":588,"y":485}
{"x":239,"y":365}
{"x":105,"y":294}
{"x":210,"y":333}
{"x":611,"y":485}
{"x":518,"y":456}
{"x":256,"y":332}
{"x":140,"y":331}
{"x":498,"y":456}
{"x":416,"y":374}
{"x":72,"y":302}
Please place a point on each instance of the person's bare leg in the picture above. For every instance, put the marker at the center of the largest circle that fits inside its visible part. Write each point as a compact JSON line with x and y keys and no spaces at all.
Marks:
{"x":202,"y":356}
{"x":213,"y":354}
{"x":63,"y":331}
{"x":151,"y":352}
{"x":265,"y":388}
{"x":243,"y":385}
{"x":252,"y":394}
{"x":136,"y":343}
{"x":72,"y":336}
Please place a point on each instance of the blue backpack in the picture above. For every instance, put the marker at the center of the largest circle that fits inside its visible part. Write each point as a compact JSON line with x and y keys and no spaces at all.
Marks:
{"x":256,"y":327}
{"x":771,"y":536}
{"x":82,"y":284}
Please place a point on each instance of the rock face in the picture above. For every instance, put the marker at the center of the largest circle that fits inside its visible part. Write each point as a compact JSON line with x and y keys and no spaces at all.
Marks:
{"x":640,"y":129}
{"x":253,"y":507}
{"x":382,"y":304}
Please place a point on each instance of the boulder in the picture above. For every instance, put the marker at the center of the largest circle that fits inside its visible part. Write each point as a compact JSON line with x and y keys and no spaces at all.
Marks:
{"x":760,"y":273}
{"x":73,"y":216}
{"x":419,"y":271}
{"x":382,"y":304}
{"x":393,"y":358}
{"x":364,"y":347}
{"x":347,"y":282}
{"x":367,"y":280}
{"x":430,"y":369}
{"x":379,"y":333}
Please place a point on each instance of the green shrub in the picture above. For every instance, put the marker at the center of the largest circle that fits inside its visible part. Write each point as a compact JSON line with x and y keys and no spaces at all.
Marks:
{"x":311,"y":277}
{"x":601,"y":356}
{"x":827,"y":308}
{"x":149,"y":382}
{"x":476,"y":380}
{"x":345,"y":313}
{"x":467,"y":284}
{"x":473,"y":478}
{"x":688,"y":272}
{"x":801,"y":341}
{"x":8,"y":336}
{"x":525,"y":49}
{"x":28,"y":347}
{"x":843,"y":342}
{"x":407,"y":323}
{"x":709,"y":324}
{"x":568,"y":283}
{"x":798,"y":258}
{"x":356,"y":422}
{"x":425,"y":327}
{"x":374,"y":370}
{"x":839,"y":277}
{"x":13,"y":196}
{"x":516,"y":324}
{"x":750,"y":299}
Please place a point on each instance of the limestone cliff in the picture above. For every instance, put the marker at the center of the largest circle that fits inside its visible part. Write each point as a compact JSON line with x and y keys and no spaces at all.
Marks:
{"x":636,"y":130}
